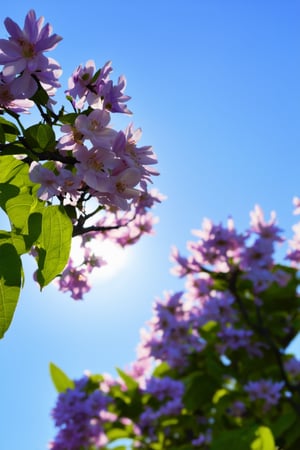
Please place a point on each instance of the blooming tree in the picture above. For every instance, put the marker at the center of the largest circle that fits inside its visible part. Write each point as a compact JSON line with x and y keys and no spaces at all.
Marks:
{"x":213,"y":368}
{"x":71,"y":174}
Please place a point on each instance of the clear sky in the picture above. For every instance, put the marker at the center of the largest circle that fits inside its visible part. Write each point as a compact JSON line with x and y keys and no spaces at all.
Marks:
{"x":215,"y":86}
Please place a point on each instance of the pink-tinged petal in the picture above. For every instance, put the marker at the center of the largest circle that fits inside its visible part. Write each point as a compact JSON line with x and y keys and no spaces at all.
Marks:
{"x":48,"y":43}
{"x":30,"y":26}
{"x":9,"y":50}
{"x":24,"y":87}
{"x":14,"y":68}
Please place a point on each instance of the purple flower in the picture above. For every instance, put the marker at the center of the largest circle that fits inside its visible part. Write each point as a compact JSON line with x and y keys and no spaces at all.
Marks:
{"x":23,"y":54}
{"x":80,"y":417}
{"x":74,"y":280}
{"x":266,"y":230}
{"x":266,"y":390}
{"x":50,"y":183}
{"x":8,"y":99}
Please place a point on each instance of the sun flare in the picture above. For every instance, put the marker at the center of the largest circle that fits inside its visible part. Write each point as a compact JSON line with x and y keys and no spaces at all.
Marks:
{"x":115,"y":257}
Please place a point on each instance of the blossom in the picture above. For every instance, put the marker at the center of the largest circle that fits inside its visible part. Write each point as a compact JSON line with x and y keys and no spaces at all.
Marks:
{"x":267,"y":230}
{"x":80,"y":417}
{"x":113,"y":96}
{"x":266,"y":390}
{"x":74,"y":280}
{"x":50,"y":183}
{"x":94,"y":127}
{"x":9,"y":101}
{"x":23,"y":54}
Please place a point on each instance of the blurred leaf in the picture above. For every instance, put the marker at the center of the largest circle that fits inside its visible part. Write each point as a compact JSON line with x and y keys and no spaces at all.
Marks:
{"x":199,"y":390}
{"x":264,"y":439}
{"x":117,"y":433}
{"x":161,"y":370}
{"x":40,"y":97}
{"x":60,"y":380}
{"x":130,"y":382}
{"x":218,"y":395}
{"x":239,"y":439}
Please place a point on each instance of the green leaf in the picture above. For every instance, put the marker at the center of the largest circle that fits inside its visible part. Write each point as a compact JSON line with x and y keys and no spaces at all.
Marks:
{"x":10,"y":167}
{"x":54,"y":244}
{"x":162,"y":370}
{"x":10,"y":283}
{"x":264,"y":439}
{"x":40,"y":136}
{"x":218,"y":395}
{"x":18,"y":209}
{"x":60,"y":380}
{"x":40,"y":97}
{"x":2,"y":135}
{"x":117,"y":433}
{"x":199,"y":390}
{"x":239,"y":439}
{"x":129,"y":381}
{"x":9,"y":130}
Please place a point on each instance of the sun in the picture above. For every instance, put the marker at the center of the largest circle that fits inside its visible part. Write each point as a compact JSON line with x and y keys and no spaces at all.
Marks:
{"x":115,"y":256}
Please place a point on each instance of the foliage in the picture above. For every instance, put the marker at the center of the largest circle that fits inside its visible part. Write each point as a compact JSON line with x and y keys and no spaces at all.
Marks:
{"x":213,"y":367}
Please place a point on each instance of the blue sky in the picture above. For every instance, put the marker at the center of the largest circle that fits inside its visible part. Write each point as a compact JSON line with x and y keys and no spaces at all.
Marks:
{"x":215,"y":88}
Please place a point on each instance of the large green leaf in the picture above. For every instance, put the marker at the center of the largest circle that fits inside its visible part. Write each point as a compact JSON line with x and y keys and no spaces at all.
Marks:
{"x":54,"y":244}
{"x":10,"y":283}
{"x":18,"y":209}
{"x":60,"y":380}
{"x":10,"y":167}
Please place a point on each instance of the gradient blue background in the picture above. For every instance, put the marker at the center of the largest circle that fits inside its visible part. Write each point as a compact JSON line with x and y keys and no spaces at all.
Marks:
{"x":215,"y":87}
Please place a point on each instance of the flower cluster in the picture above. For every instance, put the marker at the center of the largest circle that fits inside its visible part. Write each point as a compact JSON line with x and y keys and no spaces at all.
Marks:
{"x":25,"y":66}
{"x":108,"y":164}
{"x":212,"y":363}
{"x":81,"y":417}
{"x":99,"y":176}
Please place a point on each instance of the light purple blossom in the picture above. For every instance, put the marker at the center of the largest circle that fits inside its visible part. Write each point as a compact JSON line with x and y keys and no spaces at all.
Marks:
{"x":23,"y":54}
{"x":266,"y":390}
{"x":80,"y":417}
{"x":50,"y":183}
{"x":94,"y":127}
{"x":74,"y":280}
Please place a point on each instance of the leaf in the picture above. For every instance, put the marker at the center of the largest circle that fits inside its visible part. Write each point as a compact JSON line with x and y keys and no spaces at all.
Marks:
{"x":54,"y":244}
{"x":161,"y":370}
{"x":117,"y":433}
{"x":18,"y":209}
{"x":218,"y":395}
{"x":199,"y":390}
{"x":264,"y":439}
{"x":9,"y":168}
{"x":9,"y":131}
{"x":10,"y":283}
{"x":40,"y":136}
{"x":129,"y":381}
{"x":239,"y":439}
{"x":60,"y":380}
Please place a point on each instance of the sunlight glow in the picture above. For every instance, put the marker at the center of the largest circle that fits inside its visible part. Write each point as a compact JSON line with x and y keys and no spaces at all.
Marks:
{"x":115,"y":256}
